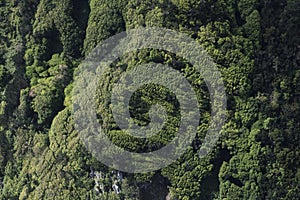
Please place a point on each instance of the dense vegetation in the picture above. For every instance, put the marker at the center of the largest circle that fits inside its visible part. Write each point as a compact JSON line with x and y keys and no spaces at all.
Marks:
{"x":256,"y":47}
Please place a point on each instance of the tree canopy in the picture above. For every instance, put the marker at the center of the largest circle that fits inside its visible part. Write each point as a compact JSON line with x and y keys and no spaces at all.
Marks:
{"x":255,"y":45}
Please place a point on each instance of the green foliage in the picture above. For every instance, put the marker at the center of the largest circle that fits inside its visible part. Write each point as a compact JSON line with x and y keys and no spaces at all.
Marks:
{"x":54,"y":31}
{"x":5,"y":76}
{"x":105,"y":20}
{"x":48,"y":88}
{"x":255,"y":45}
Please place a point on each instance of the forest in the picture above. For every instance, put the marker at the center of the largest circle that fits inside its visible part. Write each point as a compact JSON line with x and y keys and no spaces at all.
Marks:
{"x":256,"y":47}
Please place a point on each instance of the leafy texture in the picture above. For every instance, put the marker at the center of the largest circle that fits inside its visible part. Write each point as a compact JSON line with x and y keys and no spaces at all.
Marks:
{"x":255,"y":45}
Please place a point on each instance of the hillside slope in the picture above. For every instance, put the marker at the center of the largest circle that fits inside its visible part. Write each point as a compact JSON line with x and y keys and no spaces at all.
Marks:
{"x":255,"y":45}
